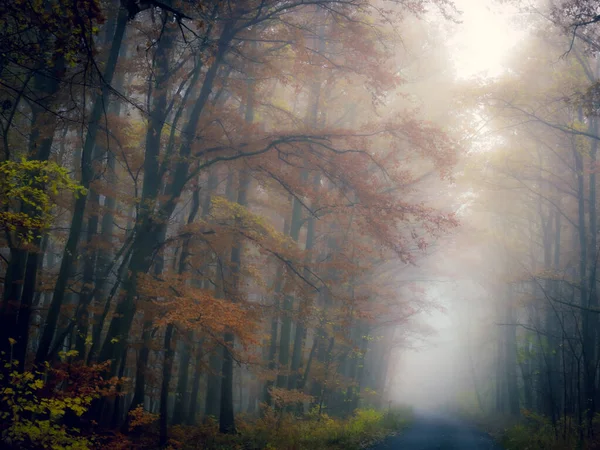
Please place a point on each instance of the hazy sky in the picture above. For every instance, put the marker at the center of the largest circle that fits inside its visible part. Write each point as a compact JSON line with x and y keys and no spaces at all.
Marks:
{"x":484,"y":38}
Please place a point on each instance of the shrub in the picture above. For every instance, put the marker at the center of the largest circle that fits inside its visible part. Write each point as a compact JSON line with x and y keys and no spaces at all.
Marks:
{"x":44,"y":409}
{"x":285,"y":431}
{"x":536,"y":432}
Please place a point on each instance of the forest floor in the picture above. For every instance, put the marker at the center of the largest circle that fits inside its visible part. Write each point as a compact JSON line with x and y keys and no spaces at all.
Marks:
{"x":435,"y":432}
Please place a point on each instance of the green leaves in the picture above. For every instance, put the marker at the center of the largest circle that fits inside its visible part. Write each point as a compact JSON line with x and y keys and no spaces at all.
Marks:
{"x":33,"y":404}
{"x":28,"y":190}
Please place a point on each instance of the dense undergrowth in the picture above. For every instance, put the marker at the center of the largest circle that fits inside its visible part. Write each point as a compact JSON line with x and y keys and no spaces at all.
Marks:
{"x":52,"y":408}
{"x":287,"y":432}
{"x":532,"y":431}
{"x":536,"y":432}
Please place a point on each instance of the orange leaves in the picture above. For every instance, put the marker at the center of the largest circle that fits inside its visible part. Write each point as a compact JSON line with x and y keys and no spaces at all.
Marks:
{"x":139,"y":417}
{"x":192,"y":308}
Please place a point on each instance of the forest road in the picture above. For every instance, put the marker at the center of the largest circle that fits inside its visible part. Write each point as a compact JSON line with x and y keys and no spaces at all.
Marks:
{"x":433,"y":432}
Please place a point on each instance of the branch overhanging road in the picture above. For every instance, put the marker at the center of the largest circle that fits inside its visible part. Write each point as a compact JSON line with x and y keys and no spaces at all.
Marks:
{"x":436,"y":432}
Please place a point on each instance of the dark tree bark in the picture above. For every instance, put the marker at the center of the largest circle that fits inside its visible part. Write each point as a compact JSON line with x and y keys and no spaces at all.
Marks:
{"x":88,"y":155}
{"x":149,"y":224}
{"x":288,"y":304}
{"x":168,"y":359}
{"x":22,"y":271}
{"x":213,"y":384}
{"x":164,"y":390}
{"x":193,"y":409}
{"x":295,"y":380}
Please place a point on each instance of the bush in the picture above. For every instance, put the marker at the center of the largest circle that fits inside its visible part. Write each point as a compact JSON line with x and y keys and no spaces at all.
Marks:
{"x":46,"y":408}
{"x":536,"y":432}
{"x":274,"y":430}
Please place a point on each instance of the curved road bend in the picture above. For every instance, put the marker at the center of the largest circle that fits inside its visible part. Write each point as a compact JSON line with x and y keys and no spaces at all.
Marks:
{"x":434,"y":432}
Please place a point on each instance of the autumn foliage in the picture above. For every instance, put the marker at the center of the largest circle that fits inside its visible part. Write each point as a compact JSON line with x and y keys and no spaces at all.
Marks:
{"x":204,"y":207}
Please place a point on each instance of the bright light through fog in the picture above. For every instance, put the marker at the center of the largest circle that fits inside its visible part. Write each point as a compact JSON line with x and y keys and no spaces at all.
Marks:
{"x":484,"y":38}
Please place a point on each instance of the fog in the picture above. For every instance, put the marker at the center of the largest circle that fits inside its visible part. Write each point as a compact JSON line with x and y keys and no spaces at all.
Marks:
{"x":241,"y":221}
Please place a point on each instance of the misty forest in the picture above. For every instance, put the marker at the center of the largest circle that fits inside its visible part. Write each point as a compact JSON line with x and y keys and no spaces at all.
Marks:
{"x":299,"y":224}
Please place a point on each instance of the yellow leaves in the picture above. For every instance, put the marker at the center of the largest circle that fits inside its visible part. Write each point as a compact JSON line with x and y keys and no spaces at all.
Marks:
{"x":68,"y":354}
{"x":22,"y":397}
{"x":47,"y":396}
{"x":33,"y":184}
{"x":233,"y":219}
{"x":47,"y":434}
{"x":37,"y":384}
{"x":7,"y":391}
{"x":235,"y":215}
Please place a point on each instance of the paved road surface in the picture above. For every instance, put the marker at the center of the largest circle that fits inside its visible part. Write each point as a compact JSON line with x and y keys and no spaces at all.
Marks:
{"x":429,"y":432}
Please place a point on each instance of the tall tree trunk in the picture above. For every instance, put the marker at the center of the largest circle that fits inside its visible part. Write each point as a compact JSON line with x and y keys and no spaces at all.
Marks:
{"x":147,"y":227}
{"x":226,"y":414}
{"x":193,"y":409}
{"x":214,"y":379}
{"x":313,"y":122}
{"x":288,"y":304}
{"x":180,"y":406}
{"x":88,"y":156}
{"x":105,"y":254}
{"x":89,"y":268}
{"x":592,"y":276}
{"x":168,"y":360}
{"x":164,"y":389}
{"x":294,"y":381}
{"x":21,"y":275}
{"x":213,"y":384}
{"x":147,"y":332}
{"x":147,"y":230}
{"x":510,"y":362}
{"x":588,"y":351}
{"x":272,"y":352}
